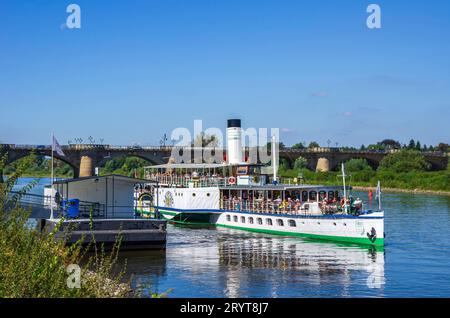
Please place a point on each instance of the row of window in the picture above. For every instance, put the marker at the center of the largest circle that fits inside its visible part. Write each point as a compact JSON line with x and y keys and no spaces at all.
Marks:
{"x":180,"y":194}
{"x":269,"y":221}
{"x":312,"y":195}
{"x":259,"y":221}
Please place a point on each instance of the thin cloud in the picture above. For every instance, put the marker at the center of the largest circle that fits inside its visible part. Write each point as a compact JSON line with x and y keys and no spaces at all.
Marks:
{"x":320,"y":94}
{"x":348,"y":114}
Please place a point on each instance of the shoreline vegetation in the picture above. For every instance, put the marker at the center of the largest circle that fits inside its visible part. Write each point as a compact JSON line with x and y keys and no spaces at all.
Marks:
{"x":405,"y":171}
{"x":35,"y":265}
{"x":410,"y":191}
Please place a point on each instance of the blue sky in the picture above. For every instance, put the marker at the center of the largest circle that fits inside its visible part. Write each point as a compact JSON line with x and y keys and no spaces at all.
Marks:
{"x":139,"y":69}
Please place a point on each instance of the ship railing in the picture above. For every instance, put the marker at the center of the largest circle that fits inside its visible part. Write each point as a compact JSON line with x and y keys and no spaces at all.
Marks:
{"x":188,"y":181}
{"x":286,"y":207}
{"x":267,"y":207}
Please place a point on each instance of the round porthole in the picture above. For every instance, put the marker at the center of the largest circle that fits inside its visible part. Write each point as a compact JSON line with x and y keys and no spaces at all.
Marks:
{"x":208,"y":194}
{"x":193,"y":194}
{"x":334,"y":223}
{"x":345,"y":224}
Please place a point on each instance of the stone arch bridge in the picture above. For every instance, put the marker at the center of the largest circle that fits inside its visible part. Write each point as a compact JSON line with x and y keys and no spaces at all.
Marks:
{"x":327,"y":159}
{"x":84,"y":158}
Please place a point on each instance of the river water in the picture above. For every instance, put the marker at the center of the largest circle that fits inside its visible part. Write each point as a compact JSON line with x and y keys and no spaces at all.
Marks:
{"x":216,"y":262}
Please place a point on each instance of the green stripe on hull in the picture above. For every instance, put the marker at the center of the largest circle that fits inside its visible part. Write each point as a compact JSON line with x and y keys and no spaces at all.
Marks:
{"x":186,"y":218}
{"x":342,"y":239}
{"x":351,"y":240}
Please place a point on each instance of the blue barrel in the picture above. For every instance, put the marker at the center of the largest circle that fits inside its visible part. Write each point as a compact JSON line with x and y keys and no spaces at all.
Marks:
{"x":71,"y":208}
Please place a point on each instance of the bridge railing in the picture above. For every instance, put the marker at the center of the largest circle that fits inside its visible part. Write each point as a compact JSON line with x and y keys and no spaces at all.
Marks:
{"x":214,"y":149}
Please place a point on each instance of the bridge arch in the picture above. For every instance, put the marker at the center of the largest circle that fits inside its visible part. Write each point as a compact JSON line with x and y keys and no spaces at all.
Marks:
{"x":22,"y":155}
{"x":373,"y":163}
{"x":149,"y":159}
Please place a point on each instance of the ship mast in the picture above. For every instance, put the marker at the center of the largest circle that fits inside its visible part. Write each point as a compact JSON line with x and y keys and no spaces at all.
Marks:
{"x":345,"y":190}
{"x":274,"y":160}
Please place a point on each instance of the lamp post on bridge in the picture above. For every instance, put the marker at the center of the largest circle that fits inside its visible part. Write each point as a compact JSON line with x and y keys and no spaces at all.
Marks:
{"x":162,"y":142}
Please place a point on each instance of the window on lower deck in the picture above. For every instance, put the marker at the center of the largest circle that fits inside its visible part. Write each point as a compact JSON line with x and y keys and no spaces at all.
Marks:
{"x":313,"y":195}
{"x":269,"y":222}
{"x":235,"y":218}
{"x":322,"y":195}
{"x":304,"y":196}
{"x":280,"y":222}
{"x":228,"y":217}
{"x":260,"y":221}
{"x":242,"y":219}
{"x":250,"y":220}
{"x":292,"y":223}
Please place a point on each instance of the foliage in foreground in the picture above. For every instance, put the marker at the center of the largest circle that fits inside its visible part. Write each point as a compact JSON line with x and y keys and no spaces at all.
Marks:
{"x":33,"y":264}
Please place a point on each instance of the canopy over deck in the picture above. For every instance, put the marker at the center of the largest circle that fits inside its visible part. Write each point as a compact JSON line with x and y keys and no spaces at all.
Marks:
{"x":189,"y":166}
{"x":282,"y":187}
{"x":199,"y":165}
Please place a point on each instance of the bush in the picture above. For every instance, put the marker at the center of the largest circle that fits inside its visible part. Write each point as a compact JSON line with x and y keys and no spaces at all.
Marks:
{"x":354,"y":165}
{"x":300,"y":163}
{"x":404,"y":161}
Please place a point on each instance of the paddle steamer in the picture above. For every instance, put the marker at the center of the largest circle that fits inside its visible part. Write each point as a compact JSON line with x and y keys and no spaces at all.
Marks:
{"x":243,"y":196}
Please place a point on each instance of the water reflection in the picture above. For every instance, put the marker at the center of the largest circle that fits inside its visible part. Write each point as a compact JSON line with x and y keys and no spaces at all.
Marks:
{"x":229,"y":263}
{"x":297,"y":262}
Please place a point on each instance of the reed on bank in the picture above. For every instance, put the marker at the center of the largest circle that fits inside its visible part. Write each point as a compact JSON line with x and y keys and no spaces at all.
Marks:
{"x":33,"y":264}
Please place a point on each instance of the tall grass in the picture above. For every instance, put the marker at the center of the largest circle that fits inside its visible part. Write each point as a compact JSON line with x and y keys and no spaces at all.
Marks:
{"x":34,"y":264}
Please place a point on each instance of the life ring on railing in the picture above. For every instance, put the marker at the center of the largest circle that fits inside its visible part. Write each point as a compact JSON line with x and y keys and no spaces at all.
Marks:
{"x":231,"y":180}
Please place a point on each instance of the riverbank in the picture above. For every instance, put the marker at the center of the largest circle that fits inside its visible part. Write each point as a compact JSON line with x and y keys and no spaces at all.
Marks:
{"x":412,"y":191}
{"x":425,"y":182}
{"x":34,"y":265}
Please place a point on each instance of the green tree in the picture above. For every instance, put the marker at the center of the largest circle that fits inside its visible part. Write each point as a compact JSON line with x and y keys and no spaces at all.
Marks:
{"x":300,"y":163}
{"x":313,"y":144}
{"x":284,"y":164}
{"x":354,"y":165}
{"x":281,"y":145}
{"x":298,"y":146}
{"x":418,"y":146}
{"x":404,"y":161}
{"x":377,"y":146}
{"x":390,"y":144}
{"x":412,"y":144}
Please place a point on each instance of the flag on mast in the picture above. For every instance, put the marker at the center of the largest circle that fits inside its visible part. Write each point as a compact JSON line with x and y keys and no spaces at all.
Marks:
{"x":378,"y":190}
{"x":378,"y":195}
{"x":56,"y":147}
